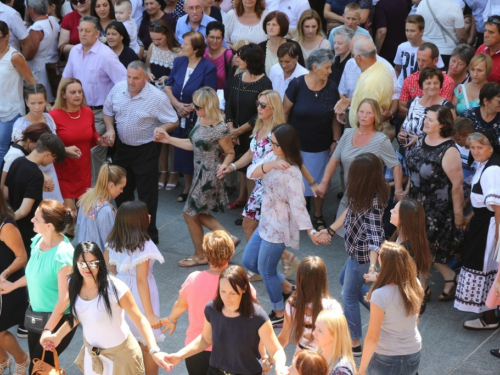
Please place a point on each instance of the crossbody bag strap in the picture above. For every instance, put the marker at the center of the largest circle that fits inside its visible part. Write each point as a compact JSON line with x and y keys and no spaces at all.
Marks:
{"x":443,"y":30}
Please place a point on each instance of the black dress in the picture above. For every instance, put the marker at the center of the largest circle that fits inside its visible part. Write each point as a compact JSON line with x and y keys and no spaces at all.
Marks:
{"x":241,"y":108}
{"x":127,"y":56}
{"x":338,"y":68}
{"x":15,"y":303}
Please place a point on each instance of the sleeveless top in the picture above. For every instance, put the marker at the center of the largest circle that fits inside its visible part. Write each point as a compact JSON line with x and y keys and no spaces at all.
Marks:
{"x":11,"y":86}
{"x":463,"y":103}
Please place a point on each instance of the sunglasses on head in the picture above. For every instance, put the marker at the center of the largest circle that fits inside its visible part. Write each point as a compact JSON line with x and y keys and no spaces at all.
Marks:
{"x":494,"y":19}
{"x":197,"y":107}
{"x":81,"y":2}
{"x":92,"y":264}
{"x":156,"y":25}
{"x":262,"y":105}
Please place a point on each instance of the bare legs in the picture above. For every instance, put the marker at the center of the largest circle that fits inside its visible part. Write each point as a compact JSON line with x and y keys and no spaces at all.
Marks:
{"x":9,"y":345}
{"x":149,"y":364}
{"x":69,"y":203}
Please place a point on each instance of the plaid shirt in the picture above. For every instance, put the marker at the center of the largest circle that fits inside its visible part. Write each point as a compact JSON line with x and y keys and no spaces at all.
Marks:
{"x":364,"y":232}
{"x":411,"y":90}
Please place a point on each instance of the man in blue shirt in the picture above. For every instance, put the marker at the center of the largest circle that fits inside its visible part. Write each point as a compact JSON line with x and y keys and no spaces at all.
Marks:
{"x":193,"y":20}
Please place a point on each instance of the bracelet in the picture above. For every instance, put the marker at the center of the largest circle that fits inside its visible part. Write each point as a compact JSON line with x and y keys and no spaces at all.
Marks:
{"x":174,"y":323}
{"x":46,"y":329}
{"x":330,"y":231}
{"x":154,"y":350}
{"x":312,"y":232}
{"x":334,"y":141}
{"x":262,"y":167}
{"x":372,"y":266}
{"x":232,"y":165}
{"x":400,"y":191}
{"x":312,"y":183}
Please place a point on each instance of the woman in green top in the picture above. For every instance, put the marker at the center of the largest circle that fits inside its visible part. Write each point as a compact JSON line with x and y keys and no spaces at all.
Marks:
{"x":47,"y":274}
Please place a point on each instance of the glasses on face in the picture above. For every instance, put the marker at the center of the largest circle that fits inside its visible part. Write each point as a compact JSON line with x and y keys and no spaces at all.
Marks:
{"x":197,"y":107}
{"x":81,"y":2}
{"x":92,"y":264}
{"x":215,"y":38}
{"x":262,"y":105}
{"x":494,"y":19}
{"x":275,"y":144}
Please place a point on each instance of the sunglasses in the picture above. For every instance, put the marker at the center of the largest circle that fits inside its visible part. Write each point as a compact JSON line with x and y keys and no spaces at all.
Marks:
{"x":81,"y":2}
{"x":262,"y":105}
{"x":275,"y":144}
{"x":92,"y":264}
{"x":494,"y":19}
{"x":156,"y":25}
{"x":197,"y":107}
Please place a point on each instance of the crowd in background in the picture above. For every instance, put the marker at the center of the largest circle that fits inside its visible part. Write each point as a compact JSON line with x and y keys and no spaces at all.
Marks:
{"x":106,"y":102}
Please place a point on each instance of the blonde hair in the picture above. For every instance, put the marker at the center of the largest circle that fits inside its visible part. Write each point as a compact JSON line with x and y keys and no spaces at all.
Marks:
{"x":479,"y":58}
{"x":60,"y":102}
{"x":336,"y":323}
{"x":353,"y":8}
{"x":240,"y":43}
{"x":307,"y":15}
{"x":377,"y":125}
{"x":207,"y":98}
{"x":107,"y":173}
{"x":218,"y":248}
{"x":278,"y":117}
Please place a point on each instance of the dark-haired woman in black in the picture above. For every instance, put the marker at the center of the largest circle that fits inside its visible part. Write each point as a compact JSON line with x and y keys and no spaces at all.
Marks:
{"x":235,"y":310}
{"x":241,"y":114}
{"x":98,"y":300}
{"x":119,"y":41}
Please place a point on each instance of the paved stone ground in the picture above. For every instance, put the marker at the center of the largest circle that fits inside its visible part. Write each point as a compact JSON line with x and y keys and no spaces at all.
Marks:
{"x":447,"y":347}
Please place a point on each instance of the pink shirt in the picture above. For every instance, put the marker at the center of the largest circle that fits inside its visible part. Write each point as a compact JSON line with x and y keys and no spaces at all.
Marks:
{"x":200,"y":288}
{"x":220,"y":65}
{"x":98,"y":70}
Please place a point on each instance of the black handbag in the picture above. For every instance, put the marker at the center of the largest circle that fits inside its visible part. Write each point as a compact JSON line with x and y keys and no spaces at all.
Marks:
{"x":36,"y":321}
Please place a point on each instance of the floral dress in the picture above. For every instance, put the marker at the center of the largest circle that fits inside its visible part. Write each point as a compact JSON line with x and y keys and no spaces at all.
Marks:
{"x":207,"y":192}
{"x":432,"y":188}
{"x":259,"y":150}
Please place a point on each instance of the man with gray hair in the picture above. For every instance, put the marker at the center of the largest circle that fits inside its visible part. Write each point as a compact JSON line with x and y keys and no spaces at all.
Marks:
{"x":376,"y":81}
{"x":99,"y":69}
{"x":137,"y":108}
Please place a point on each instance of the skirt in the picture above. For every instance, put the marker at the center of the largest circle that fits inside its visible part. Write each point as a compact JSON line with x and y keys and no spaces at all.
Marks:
{"x":315,"y":162}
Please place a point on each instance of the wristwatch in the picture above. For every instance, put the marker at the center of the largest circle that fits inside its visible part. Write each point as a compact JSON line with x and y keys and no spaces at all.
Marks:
{"x":154,"y":350}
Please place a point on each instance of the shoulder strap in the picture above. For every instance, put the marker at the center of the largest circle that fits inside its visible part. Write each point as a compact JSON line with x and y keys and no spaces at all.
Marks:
{"x":466,"y":99}
{"x":443,"y":30}
{"x":226,"y":63}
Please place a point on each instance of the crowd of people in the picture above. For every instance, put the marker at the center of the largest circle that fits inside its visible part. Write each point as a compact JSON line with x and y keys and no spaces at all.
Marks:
{"x":106,"y":101}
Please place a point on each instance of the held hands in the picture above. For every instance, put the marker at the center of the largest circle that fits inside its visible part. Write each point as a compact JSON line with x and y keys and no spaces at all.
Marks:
{"x":109,"y":138}
{"x":183,"y":110}
{"x":222,"y":170}
{"x":154,"y":321}
{"x":460,"y":222}
{"x":48,"y":183}
{"x":281,"y":370}
{"x":161,"y":136}
{"x":73,"y":152}
{"x":407,"y":139}
{"x":321,"y":238}
{"x":168,"y":324}
{"x":173,"y":360}
{"x":161,"y":359}
{"x":321,"y":189}
{"x":370,"y":277}
{"x":341,"y":105}
{"x":6,"y":287}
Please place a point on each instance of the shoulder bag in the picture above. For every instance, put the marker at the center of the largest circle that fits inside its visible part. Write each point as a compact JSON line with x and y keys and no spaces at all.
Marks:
{"x":443,"y":30}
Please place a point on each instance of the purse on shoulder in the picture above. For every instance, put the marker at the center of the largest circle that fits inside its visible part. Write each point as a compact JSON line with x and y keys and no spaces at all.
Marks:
{"x":35,"y":321}
{"x":42,"y":368}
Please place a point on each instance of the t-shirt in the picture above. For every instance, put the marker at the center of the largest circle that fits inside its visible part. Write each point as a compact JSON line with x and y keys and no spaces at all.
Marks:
{"x":220,"y":64}
{"x":236,"y":340}
{"x":15,"y":151}
{"x":41,"y":273}
{"x":390,"y":14}
{"x":25,"y":180}
{"x":70,"y":22}
{"x":16,"y":25}
{"x":96,"y":320}
{"x":399,"y":333}
{"x":450,"y":17}
{"x":338,"y":6}
{"x":406,"y":56}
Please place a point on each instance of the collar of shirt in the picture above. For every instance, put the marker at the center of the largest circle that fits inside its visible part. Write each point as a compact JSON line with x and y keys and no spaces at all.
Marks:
{"x":143,"y":94}
{"x":94,"y":49}
{"x":486,"y":48}
{"x":205,"y":20}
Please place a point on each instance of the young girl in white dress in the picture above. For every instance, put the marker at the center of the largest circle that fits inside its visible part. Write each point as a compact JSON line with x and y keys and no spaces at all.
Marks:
{"x":131,"y":253}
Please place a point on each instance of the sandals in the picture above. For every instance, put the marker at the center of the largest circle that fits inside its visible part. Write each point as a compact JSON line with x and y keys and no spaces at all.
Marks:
{"x":238,"y":221}
{"x":479,"y":325}
{"x":290,"y":265}
{"x":319,"y":223}
{"x":451,"y":294}
{"x":6,"y":365}
{"x":21,"y":368}
{"x":194,"y":262}
{"x":236,"y":204}
{"x":161,"y":185}
{"x":170,"y":185}
{"x":182,"y":197}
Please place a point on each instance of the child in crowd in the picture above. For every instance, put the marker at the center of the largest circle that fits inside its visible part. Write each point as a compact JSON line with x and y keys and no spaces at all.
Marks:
{"x":351,"y":16}
{"x":96,"y":215}
{"x":406,"y":56}
{"x":310,"y":298}
{"x":123,"y":11}
{"x":390,"y":132}
{"x":131,"y":254}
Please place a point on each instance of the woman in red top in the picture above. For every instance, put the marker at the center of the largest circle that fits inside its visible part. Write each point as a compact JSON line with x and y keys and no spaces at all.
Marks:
{"x":76,"y":128}
{"x":69,"y":37}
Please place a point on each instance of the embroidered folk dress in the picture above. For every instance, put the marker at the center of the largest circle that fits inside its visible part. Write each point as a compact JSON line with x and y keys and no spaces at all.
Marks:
{"x":479,"y":263}
{"x":96,"y":225}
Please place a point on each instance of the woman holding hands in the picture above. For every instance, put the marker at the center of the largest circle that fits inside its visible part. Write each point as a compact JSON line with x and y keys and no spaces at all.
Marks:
{"x":209,"y":139}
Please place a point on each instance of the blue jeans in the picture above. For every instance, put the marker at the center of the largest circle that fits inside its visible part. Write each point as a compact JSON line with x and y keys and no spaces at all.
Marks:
{"x":262,"y":257}
{"x":354,"y":290}
{"x":6,"y":136}
{"x":394,"y":364}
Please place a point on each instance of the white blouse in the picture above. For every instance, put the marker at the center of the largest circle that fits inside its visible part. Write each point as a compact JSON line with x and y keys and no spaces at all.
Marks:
{"x":235,"y":30}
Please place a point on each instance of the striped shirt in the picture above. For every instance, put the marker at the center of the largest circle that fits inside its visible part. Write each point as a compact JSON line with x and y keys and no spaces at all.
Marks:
{"x":136,"y":118}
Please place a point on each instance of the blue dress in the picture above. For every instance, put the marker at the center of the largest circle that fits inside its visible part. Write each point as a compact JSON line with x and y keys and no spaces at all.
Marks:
{"x":204,"y":74}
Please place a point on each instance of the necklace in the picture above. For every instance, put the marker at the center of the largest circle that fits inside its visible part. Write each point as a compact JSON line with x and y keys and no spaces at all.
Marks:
{"x":359,"y":131}
{"x":77,"y":117}
{"x":86,"y":297}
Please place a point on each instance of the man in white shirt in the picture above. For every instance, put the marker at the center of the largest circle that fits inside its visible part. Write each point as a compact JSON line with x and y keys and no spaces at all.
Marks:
{"x":292,"y":8}
{"x":19,"y":38}
{"x":287,"y":69}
